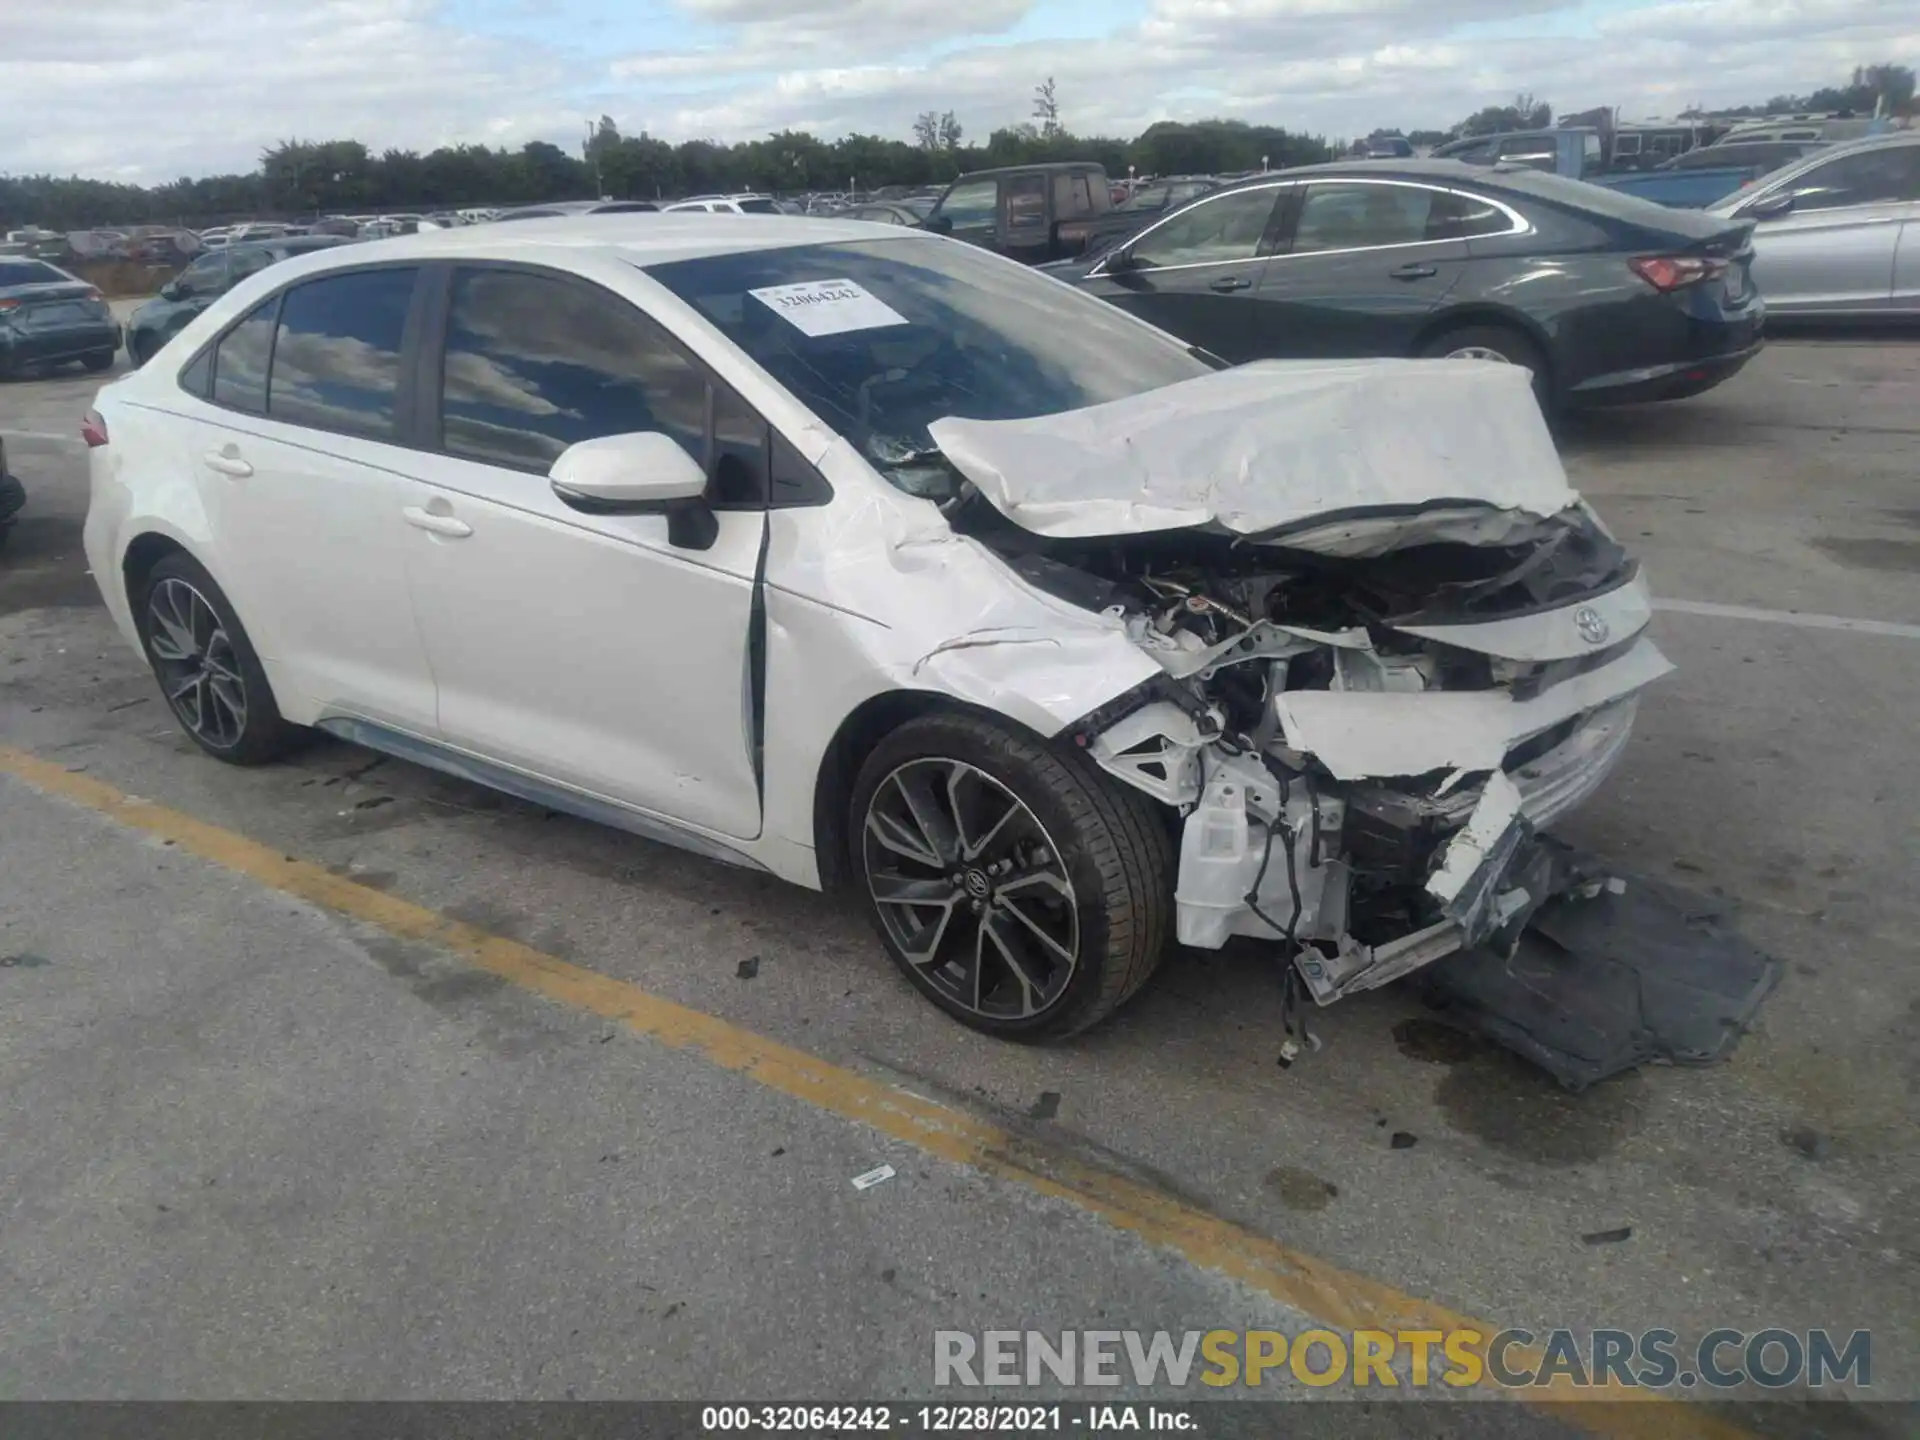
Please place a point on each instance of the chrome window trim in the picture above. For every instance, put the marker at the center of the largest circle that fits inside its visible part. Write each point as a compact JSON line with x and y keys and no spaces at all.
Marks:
{"x":1518,"y":224}
{"x":1100,"y":267}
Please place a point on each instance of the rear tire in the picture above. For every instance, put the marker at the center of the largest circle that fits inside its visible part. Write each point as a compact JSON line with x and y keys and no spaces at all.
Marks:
{"x":142,"y":349}
{"x":100,"y":360}
{"x":1016,"y":886}
{"x":209,"y":673}
{"x":1499,"y":344}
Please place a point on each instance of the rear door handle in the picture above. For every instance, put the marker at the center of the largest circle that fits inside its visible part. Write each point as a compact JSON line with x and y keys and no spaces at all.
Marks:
{"x":1228,"y":283}
{"x":1415,"y":271}
{"x":423,"y":519}
{"x":228,"y":462}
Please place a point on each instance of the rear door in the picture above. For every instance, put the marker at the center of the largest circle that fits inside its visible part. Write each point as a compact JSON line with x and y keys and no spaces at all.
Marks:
{"x":300,"y":467}
{"x":1836,"y":249}
{"x":1196,"y":273}
{"x":1363,"y":264}
{"x":1026,"y":231}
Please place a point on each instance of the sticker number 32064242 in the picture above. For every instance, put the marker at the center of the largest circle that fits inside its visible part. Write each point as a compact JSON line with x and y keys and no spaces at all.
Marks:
{"x":828,"y":307}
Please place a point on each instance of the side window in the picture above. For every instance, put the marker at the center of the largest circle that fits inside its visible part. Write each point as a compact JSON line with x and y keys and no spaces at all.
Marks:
{"x":249,"y":262}
{"x":1358,"y":217}
{"x":739,"y":470}
{"x":972,"y":203}
{"x":1873,"y":177}
{"x":1026,"y":204}
{"x":535,"y":364}
{"x":1228,"y":227}
{"x":240,"y":361}
{"x":1537,"y":152}
{"x":337,"y":352}
{"x":1452,"y":216}
{"x":205,"y":276}
{"x":1072,"y":197}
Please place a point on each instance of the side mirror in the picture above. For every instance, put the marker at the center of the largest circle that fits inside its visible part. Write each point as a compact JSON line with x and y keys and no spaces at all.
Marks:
{"x":174,"y":290}
{"x":938,"y":223}
{"x":1120,"y":261}
{"x":1772,"y":207}
{"x":643,"y":473}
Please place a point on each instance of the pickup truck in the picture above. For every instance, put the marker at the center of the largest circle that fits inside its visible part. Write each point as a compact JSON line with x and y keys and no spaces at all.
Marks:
{"x":1033,"y":213}
{"x":1579,"y":154}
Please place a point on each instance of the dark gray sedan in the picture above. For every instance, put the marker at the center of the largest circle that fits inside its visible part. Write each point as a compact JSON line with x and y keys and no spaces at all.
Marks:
{"x":1603,"y":297}
{"x":48,"y":317}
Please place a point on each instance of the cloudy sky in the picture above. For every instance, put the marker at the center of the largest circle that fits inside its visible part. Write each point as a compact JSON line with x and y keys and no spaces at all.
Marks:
{"x":146,"y":90}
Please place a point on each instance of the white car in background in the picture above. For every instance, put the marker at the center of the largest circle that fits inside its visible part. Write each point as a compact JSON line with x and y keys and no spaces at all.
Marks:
{"x":725,"y":205}
{"x":849,"y":552}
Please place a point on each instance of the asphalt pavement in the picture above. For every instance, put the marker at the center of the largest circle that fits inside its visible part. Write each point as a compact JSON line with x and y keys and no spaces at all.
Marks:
{"x":263,"y":1144}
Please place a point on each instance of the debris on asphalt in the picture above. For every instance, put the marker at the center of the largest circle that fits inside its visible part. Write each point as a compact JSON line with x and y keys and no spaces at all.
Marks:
{"x":1608,"y":1237}
{"x":1403,"y":1140}
{"x":748,"y":968}
{"x":23,"y":962}
{"x":1809,"y":1142}
{"x":873,"y":1178}
{"x":1602,"y":984}
{"x":373,"y":802}
{"x":778,"y":1151}
{"x":1046,"y":1107}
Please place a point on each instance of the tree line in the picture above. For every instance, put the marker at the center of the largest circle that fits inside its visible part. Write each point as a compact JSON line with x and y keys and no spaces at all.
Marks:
{"x":301,"y":177}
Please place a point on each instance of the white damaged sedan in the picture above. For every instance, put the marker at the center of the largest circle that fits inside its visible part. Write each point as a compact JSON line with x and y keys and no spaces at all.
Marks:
{"x":859,"y":555}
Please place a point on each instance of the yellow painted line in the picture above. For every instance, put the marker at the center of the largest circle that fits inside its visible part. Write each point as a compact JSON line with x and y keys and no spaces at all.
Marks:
{"x":1323,"y":1292}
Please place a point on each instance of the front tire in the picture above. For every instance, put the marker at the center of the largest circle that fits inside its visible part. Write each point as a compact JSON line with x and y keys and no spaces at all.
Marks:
{"x":98,"y":361}
{"x":208,"y":670}
{"x":1015,"y":885}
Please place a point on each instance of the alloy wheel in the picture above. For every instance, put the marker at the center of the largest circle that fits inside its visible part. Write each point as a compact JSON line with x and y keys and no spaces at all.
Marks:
{"x":1477,"y":352}
{"x":971,"y":889}
{"x":199,"y":672}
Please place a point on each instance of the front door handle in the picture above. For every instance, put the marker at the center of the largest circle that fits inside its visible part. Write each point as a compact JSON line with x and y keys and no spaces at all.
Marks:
{"x":422,"y":518}
{"x":1415,"y":271}
{"x":1228,"y":283}
{"x":227,"y":461}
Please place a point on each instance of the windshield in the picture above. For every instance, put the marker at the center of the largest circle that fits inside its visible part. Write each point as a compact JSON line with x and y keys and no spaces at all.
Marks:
{"x":880,"y":338}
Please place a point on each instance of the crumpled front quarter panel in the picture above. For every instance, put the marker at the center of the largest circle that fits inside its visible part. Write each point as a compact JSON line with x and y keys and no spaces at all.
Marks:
{"x":874,"y":593}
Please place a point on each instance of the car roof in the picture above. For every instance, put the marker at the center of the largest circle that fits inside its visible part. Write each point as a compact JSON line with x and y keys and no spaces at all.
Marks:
{"x":642,"y":239}
{"x":1048,"y":165}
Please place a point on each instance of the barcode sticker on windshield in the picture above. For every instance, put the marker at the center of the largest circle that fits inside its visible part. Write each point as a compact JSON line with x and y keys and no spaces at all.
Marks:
{"x":828,"y":307}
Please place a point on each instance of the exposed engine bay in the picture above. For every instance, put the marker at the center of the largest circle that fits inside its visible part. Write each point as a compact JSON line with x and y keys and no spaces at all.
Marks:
{"x":1280,"y":662}
{"x":1393,"y":646}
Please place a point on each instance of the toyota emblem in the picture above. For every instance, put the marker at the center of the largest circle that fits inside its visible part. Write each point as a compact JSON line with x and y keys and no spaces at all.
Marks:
{"x":1591,"y":624}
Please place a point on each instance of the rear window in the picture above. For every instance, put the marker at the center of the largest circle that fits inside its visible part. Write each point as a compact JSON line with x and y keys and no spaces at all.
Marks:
{"x":1598,"y":200}
{"x":758,"y":207}
{"x":29,"y":272}
{"x":336,"y":353}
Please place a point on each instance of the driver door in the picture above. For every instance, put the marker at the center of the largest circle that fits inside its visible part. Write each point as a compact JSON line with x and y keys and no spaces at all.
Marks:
{"x":590,"y":650}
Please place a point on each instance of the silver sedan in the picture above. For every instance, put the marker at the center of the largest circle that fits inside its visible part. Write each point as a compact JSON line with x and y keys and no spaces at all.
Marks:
{"x":1838,"y":233}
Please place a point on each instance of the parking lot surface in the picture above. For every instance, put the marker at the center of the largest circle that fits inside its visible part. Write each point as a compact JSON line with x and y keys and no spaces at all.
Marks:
{"x":267,"y":1139}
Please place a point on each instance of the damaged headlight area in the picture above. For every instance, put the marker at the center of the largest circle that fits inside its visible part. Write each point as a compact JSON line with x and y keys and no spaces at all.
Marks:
{"x":1363,"y":749}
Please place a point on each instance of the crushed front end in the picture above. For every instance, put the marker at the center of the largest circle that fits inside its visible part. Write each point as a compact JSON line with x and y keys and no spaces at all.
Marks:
{"x":1364,"y":751}
{"x":1395,"y":643}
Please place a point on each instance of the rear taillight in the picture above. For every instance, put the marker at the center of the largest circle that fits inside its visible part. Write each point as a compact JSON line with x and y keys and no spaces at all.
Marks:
{"x":93,"y":430}
{"x":6,"y":305}
{"x":1673,"y":272}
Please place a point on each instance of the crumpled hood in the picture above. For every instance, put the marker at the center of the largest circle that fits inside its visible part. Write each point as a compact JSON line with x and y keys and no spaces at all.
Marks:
{"x":1342,"y":457}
